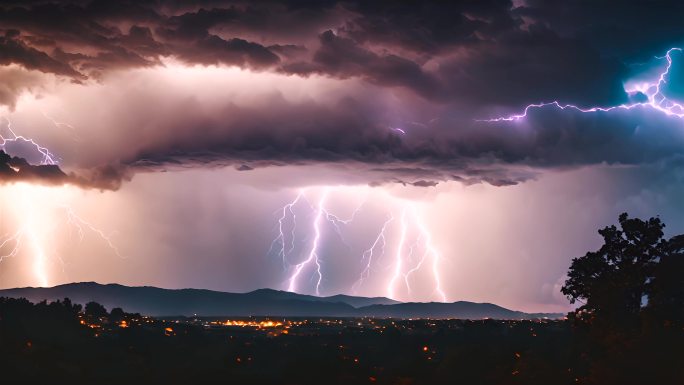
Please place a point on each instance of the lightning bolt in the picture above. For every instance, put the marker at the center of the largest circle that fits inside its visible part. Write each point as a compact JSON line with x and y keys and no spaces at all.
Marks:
{"x":367,"y":256}
{"x":410,"y":227}
{"x":287,"y":211}
{"x":48,"y":158}
{"x":419,"y":265}
{"x":398,"y":262}
{"x":656,"y":100}
{"x":313,"y":253}
{"x":62,"y":125}
{"x":435,"y":255}
{"x":284,"y":241}
{"x":429,"y":251}
{"x":79,"y":223}
{"x":28,"y":231}
{"x":11,"y":239}
{"x":337,"y":221}
{"x":31,"y":234}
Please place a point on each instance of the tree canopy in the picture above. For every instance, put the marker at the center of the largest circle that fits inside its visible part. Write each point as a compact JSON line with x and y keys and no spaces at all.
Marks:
{"x":635,"y":268}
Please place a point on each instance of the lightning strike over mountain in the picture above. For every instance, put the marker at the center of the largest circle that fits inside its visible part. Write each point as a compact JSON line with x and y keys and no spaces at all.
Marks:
{"x":393,"y":238}
{"x":37,"y":228}
{"x":313,"y":253}
{"x":402,"y":262}
{"x":653,"y":92}
{"x":435,"y":255}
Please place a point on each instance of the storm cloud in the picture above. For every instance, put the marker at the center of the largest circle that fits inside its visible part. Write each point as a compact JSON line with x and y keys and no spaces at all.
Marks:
{"x":406,"y":85}
{"x":14,"y":169}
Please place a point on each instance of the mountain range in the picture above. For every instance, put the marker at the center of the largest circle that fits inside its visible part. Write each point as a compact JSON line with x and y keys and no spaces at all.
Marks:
{"x":154,"y":301}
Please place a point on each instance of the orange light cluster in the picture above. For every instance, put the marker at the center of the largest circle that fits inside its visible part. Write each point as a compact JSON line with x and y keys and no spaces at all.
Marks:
{"x":254,"y":324}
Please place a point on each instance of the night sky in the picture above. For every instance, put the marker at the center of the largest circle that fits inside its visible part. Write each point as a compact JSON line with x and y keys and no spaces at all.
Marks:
{"x":424,"y":151}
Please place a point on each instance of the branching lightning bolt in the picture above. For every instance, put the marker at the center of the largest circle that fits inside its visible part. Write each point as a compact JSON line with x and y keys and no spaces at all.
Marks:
{"x":285,"y":240}
{"x":429,"y":251}
{"x":435,"y":255}
{"x":287,"y":210}
{"x":656,"y":100}
{"x":367,"y":256}
{"x":27,"y":232}
{"x":409,"y":226}
{"x":313,"y":253}
{"x":47,"y":156}
{"x":79,"y":223}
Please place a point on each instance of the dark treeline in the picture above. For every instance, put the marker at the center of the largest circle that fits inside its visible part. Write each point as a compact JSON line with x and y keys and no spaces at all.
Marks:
{"x":629,"y":329}
{"x":631,"y":323}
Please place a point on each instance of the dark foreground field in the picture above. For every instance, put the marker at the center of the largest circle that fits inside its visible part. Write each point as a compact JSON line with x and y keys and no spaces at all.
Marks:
{"x":59,"y":343}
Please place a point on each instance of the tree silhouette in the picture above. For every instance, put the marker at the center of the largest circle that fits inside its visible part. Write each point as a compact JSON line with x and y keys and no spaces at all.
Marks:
{"x":666,"y":288}
{"x":95,"y":310}
{"x":612,"y":281}
{"x":117,"y":314}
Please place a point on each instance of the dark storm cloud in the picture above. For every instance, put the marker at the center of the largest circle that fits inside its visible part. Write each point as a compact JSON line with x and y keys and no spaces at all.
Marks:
{"x":14,"y":51}
{"x":463,"y":60}
{"x":634,"y":30}
{"x":474,"y":46}
{"x":349,"y":135}
{"x":428,"y":27}
{"x":524,"y":67}
{"x":15,"y":169}
{"x":343,"y":57}
{"x":18,"y":169}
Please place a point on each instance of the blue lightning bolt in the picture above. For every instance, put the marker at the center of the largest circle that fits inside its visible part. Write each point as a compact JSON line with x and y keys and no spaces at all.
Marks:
{"x":656,"y":100}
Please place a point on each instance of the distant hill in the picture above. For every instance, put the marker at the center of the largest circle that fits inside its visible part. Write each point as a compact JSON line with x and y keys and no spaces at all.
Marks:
{"x":154,"y":301}
{"x":460,"y":309}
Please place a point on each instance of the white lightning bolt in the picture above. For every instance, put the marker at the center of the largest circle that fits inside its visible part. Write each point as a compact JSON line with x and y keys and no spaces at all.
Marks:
{"x":79,"y":223}
{"x":398,"y":262}
{"x":430,"y":249}
{"x":403,"y":266}
{"x":31,"y":233}
{"x":47,"y":156}
{"x":313,"y":253}
{"x":367,"y":255}
{"x":30,"y":230}
{"x":287,"y":210}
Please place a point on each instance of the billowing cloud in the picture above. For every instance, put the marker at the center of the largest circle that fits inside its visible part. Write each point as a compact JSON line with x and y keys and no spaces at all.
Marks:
{"x":14,"y":169}
{"x":394,"y":91}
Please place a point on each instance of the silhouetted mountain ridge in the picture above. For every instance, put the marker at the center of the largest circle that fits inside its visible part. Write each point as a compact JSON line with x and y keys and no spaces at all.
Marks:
{"x":156,"y":301}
